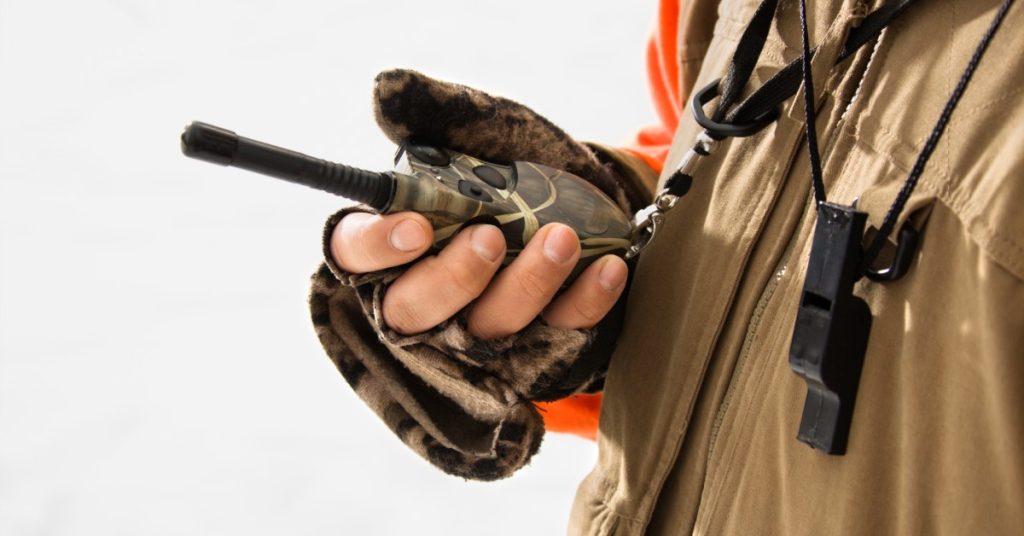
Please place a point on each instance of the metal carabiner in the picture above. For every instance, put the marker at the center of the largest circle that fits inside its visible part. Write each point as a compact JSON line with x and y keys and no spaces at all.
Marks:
{"x":648,"y":219}
{"x":645,"y":225}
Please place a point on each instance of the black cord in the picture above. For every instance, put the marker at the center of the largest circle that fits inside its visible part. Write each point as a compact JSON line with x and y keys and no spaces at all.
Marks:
{"x":812,"y":131}
{"x":871,"y":255}
{"x":933,"y":140}
{"x":784,"y":83}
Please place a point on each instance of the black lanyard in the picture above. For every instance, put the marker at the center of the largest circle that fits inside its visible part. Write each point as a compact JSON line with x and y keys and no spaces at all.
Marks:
{"x":752,"y":114}
{"x":760,"y":108}
{"x":832,"y":325}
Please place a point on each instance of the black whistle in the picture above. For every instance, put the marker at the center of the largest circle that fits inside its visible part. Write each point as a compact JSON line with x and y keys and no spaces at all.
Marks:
{"x":832,"y":329}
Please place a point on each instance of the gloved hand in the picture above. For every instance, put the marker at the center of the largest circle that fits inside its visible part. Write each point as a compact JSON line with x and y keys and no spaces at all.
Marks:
{"x":449,"y":355}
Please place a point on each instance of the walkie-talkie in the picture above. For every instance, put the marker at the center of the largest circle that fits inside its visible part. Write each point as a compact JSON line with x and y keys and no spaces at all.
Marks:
{"x":452,"y":190}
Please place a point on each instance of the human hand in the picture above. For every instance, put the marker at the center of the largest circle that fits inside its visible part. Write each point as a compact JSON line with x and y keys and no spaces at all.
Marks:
{"x":466,"y":272}
{"x":482,"y":337}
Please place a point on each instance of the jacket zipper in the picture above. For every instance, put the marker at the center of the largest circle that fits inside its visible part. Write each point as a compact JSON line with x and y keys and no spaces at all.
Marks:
{"x":762,"y":303}
{"x":780,"y":272}
{"x":748,"y":340}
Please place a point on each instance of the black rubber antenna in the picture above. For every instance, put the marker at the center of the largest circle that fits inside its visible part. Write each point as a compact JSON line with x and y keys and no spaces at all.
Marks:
{"x":224,"y":147}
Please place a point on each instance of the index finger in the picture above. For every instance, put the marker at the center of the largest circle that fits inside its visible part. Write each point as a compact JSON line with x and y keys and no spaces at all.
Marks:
{"x":363,"y":242}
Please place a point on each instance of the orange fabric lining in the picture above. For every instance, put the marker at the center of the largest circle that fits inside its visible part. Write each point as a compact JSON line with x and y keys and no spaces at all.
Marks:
{"x":575,"y":415}
{"x":578,"y":415}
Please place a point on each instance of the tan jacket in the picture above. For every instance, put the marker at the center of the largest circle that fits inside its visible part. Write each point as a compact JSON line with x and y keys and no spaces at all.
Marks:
{"x":698,"y":430}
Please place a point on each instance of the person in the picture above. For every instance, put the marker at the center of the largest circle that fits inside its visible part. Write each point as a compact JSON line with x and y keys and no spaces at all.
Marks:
{"x":700,"y":409}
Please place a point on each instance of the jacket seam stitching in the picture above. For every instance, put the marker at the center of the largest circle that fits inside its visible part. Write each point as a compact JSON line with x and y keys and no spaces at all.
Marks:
{"x":746,"y":414}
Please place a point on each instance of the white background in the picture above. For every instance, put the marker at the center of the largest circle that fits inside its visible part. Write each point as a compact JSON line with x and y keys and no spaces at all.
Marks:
{"x":158,"y":371}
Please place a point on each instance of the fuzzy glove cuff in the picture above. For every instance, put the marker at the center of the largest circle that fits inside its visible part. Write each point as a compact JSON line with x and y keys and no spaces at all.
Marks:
{"x":464,"y":404}
{"x":461,"y":403}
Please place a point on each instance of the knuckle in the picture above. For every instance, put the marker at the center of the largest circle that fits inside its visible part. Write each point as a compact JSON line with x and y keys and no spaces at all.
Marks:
{"x":464,"y":278}
{"x":348,"y":244}
{"x":589,"y":310}
{"x":338,"y":251}
{"x":402,"y":315}
{"x":533,"y":284}
{"x":370,"y":251}
{"x":483,"y":331}
{"x":484,"y":327}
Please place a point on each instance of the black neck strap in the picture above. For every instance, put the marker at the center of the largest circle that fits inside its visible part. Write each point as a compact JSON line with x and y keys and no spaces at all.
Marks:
{"x":833,"y":325}
{"x":760,"y":108}
{"x":889,"y":223}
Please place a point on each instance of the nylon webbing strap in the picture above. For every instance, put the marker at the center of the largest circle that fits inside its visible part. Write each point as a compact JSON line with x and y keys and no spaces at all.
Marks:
{"x":745,"y":58}
{"x":786,"y":81}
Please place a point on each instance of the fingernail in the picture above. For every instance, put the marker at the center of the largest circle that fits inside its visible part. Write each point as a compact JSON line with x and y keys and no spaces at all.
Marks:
{"x":407,"y":236}
{"x":486,"y":241}
{"x":612,"y":275}
{"x":560,"y":244}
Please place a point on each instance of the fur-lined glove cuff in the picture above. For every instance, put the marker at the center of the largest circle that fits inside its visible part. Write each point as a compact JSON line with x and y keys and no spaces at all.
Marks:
{"x":462,"y":403}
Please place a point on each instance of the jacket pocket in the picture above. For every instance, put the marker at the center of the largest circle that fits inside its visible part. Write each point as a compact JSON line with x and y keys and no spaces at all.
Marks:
{"x":876,"y":181}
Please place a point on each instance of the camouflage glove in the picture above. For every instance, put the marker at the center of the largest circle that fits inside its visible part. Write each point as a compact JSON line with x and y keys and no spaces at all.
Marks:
{"x":465,"y":404}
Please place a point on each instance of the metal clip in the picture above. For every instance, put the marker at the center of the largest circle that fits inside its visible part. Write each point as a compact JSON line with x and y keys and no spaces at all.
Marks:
{"x":645,"y":225}
{"x":906,"y":248}
{"x":649,"y":218}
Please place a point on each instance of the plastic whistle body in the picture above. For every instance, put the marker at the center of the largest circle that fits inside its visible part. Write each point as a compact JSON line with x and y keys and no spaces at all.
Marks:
{"x":833,"y":326}
{"x":452,"y":190}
